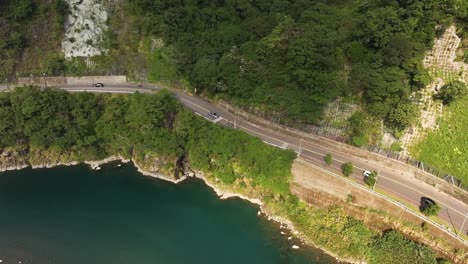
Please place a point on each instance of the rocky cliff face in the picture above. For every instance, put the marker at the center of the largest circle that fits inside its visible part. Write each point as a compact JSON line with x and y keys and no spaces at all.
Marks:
{"x":84,"y":28}
{"x":13,"y":159}
{"x":168,"y":168}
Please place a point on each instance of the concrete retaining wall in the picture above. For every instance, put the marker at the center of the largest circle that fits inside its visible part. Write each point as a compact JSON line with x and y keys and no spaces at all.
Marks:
{"x":89,"y":80}
{"x":85,"y":80}
{"x":42,"y":81}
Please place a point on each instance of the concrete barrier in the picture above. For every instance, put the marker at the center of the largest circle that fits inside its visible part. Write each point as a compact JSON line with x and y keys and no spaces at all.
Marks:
{"x":89,"y":80}
{"x":42,"y":81}
{"x":85,"y":80}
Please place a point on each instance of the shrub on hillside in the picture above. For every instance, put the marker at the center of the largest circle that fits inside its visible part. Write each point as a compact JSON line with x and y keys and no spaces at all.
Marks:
{"x":347,"y":168}
{"x":451,"y":92}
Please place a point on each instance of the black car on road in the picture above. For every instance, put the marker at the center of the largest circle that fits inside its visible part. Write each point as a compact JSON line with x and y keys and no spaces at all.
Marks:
{"x":425,"y":202}
{"x":98,"y":85}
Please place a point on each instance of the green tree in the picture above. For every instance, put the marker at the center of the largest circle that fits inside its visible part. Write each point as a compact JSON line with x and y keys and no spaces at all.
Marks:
{"x":371,"y":179}
{"x":204,"y":73}
{"x":431,"y":209}
{"x":55,"y":65}
{"x":347,"y":169}
{"x":398,"y":50}
{"x":328,"y":159}
{"x":8,"y":136}
{"x":403,"y":115}
{"x":61,"y":9}
{"x":16,"y":41}
{"x":386,"y":88}
{"x":451,"y":91}
{"x":362,"y":128}
{"x":393,"y":247}
{"x":20,"y":9}
{"x":380,"y":25}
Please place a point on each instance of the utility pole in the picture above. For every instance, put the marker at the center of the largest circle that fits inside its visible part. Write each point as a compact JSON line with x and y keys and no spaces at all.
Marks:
{"x":6,"y":80}
{"x":300,"y":147}
{"x":45,"y":81}
{"x":461,"y":228}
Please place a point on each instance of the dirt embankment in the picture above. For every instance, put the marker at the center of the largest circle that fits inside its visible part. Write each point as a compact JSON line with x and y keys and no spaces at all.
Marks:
{"x":323,"y":190}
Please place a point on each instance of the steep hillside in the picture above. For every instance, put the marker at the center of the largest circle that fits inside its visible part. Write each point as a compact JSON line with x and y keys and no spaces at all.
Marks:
{"x":30,"y":35}
{"x":293,"y":58}
{"x":286,"y":59}
{"x":441,"y":139}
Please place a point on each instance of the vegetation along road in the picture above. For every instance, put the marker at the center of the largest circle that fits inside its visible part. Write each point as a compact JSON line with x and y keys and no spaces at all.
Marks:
{"x":394,"y":181}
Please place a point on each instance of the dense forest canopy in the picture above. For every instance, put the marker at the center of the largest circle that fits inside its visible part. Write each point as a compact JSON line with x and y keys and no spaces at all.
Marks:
{"x":293,"y":57}
{"x":95,"y":126}
{"x":290,"y":58}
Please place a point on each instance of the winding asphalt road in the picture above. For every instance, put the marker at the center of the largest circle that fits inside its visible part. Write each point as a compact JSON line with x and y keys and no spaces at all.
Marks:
{"x":396,"y":183}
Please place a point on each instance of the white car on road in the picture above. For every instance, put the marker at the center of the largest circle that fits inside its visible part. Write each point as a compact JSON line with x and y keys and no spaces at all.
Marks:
{"x":366,"y":173}
{"x":213,"y":114}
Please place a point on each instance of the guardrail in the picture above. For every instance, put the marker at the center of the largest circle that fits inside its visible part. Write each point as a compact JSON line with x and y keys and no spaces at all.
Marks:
{"x":441,"y":227}
{"x":395,"y":202}
{"x":317,"y":131}
{"x":419,"y":165}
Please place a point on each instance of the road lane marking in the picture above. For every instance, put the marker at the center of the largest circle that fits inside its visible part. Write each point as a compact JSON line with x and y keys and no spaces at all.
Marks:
{"x":392,"y":180}
{"x":203,"y":116}
{"x":201,"y":107}
{"x":421,"y":216}
{"x":272,"y":144}
{"x":399,"y":183}
{"x":409,"y":187}
{"x":292,"y":138}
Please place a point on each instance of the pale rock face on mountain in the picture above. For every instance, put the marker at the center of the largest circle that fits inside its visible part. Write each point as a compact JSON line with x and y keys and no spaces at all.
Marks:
{"x":84,"y":28}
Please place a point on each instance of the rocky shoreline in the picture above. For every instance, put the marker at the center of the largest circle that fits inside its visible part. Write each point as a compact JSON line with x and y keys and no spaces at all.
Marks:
{"x":222,"y":194}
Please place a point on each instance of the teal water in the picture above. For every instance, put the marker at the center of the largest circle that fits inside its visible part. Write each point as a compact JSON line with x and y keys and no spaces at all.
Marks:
{"x":74,"y":215}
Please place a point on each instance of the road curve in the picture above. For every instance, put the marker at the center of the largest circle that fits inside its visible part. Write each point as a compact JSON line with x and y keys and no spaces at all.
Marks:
{"x":393,"y":182}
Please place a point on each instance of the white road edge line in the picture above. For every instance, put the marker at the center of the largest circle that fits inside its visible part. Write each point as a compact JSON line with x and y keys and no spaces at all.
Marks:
{"x":245,"y":128}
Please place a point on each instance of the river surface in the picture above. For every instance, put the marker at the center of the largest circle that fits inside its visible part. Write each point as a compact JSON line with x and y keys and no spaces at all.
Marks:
{"x":71,"y":215}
